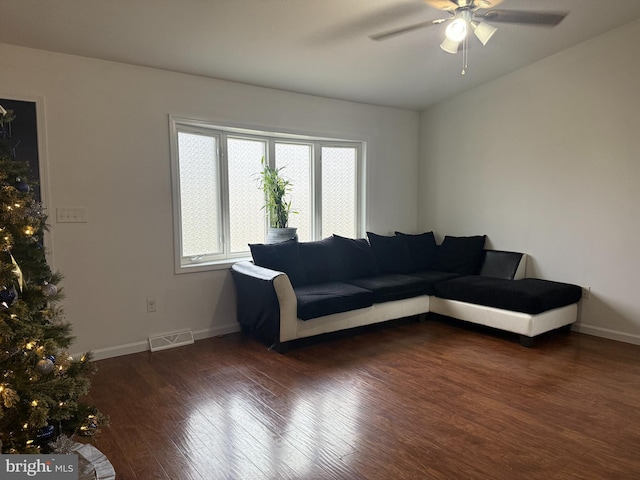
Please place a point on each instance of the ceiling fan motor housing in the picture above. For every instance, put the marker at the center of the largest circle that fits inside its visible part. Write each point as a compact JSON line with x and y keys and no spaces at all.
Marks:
{"x":455,"y":4}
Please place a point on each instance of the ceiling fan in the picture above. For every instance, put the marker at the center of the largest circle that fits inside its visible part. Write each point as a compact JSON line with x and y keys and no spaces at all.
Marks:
{"x":470,"y":15}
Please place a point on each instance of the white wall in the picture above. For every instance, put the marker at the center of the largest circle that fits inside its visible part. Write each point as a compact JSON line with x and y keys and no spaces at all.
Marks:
{"x":107,"y":149}
{"x":547,"y":161}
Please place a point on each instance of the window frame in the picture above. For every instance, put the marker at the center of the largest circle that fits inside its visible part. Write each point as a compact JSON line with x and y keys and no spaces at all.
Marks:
{"x":211,"y":128}
{"x":178,"y":193}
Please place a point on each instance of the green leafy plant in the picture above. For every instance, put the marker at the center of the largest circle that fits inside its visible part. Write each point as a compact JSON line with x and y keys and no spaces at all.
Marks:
{"x":275,"y":188}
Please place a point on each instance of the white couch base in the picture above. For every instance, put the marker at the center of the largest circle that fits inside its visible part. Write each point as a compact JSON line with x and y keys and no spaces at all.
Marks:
{"x":291,"y":327}
{"x":526,"y":324}
{"x":379,"y":312}
{"x":507,"y":320}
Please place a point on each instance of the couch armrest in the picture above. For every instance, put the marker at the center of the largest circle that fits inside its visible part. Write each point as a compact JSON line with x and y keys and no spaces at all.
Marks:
{"x":265,"y":298}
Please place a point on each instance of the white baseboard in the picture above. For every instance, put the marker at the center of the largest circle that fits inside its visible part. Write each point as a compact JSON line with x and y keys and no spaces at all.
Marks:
{"x":607,"y":333}
{"x":217,"y":331}
{"x":143,"y":345}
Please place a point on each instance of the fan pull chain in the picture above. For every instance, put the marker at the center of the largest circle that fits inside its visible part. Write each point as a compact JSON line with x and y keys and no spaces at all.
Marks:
{"x":464,"y":54}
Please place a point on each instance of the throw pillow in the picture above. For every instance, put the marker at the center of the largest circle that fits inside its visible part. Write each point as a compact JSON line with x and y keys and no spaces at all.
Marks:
{"x":423,"y":249}
{"x":460,"y":254}
{"x":392,"y":254}
{"x":321,"y":261}
{"x":283,"y":257}
{"x":357,"y":257}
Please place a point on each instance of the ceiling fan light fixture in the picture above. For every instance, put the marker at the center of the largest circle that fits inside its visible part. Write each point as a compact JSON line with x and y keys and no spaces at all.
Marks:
{"x":483,"y":31}
{"x":449,"y":46}
{"x":457,"y":30}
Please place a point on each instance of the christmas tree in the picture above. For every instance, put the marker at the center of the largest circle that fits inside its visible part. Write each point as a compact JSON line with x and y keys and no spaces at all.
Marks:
{"x":40,"y":383}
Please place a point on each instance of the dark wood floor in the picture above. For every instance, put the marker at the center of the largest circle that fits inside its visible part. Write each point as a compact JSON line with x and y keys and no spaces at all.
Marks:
{"x":425,"y":400}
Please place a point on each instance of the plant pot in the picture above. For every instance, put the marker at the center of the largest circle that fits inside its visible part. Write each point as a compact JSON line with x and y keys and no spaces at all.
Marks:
{"x":277,"y":235}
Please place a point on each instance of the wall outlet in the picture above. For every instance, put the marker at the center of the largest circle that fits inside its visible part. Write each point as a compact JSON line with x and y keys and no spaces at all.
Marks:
{"x":152,"y":305}
{"x":586,"y":293}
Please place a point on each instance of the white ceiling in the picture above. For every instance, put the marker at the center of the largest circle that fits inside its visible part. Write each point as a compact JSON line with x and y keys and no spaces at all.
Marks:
{"x":319,"y":47}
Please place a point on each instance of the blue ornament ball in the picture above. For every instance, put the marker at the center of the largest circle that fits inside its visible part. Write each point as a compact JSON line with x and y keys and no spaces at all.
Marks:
{"x":7,"y":296}
{"x":22,"y":186}
{"x":46,"y":434}
{"x":45,"y":366}
{"x":49,"y":289}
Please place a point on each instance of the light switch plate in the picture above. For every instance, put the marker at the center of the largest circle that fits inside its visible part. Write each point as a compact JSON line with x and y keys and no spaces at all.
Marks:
{"x":71,"y":215}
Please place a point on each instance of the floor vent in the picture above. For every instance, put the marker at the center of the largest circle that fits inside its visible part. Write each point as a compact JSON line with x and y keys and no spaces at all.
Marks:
{"x":162,"y":342}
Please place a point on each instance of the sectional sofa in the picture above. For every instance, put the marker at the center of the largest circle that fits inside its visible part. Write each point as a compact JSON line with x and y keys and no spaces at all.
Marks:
{"x":295,"y":290}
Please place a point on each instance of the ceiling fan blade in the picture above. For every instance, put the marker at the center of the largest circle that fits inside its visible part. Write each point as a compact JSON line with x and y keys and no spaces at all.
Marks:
{"x":442,"y":4}
{"x":549,"y":19}
{"x":410,"y":28}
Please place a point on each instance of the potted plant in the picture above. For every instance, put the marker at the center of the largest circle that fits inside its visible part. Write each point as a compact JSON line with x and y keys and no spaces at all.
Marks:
{"x":275,"y":188}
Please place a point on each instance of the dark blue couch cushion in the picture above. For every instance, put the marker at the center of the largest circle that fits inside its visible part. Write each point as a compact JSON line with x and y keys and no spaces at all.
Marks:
{"x":327,"y":298}
{"x":460,"y":254}
{"x":431,"y":277}
{"x":529,"y":295}
{"x":392,"y":254}
{"x":390,"y":287}
{"x":283,"y":257}
{"x":423,"y":249}
{"x":321,"y":261}
{"x":357,"y":257}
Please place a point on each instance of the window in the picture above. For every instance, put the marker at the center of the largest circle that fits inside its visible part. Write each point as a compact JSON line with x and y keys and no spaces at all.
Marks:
{"x":218,"y":205}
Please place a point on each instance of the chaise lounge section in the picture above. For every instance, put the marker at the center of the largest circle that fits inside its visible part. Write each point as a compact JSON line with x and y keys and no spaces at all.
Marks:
{"x":297,"y":290}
